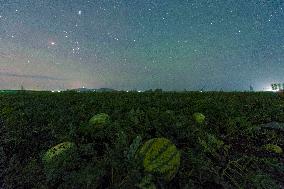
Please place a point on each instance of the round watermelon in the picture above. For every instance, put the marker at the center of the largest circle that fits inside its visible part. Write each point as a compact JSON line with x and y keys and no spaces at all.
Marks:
{"x":58,"y":151}
{"x":199,"y":118}
{"x":273,"y":148}
{"x":59,"y":159}
{"x":99,"y":120}
{"x":160,"y":157}
{"x":95,"y":124}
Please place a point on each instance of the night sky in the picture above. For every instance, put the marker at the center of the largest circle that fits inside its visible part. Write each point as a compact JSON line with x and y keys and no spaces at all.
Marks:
{"x":141,"y":44}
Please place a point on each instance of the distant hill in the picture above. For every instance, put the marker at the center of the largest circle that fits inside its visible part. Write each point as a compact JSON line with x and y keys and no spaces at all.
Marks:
{"x":93,"y":90}
{"x":9,"y":91}
{"x":105,"y":90}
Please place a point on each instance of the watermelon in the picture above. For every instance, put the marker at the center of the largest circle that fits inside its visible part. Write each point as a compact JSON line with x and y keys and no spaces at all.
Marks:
{"x":96,"y":124}
{"x":99,"y":120}
{"x":199,"y":118}
{"x":273,"y":148}
{"x":57,"y":151}
{"x":160,"y":157}
{"x":59,"y":159}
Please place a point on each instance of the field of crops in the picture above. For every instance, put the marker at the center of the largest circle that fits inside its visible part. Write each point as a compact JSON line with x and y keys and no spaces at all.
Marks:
{"x":143,"y":140}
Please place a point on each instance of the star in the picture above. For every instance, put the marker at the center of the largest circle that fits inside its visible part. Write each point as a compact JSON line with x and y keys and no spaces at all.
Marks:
{"x":193,"y":39}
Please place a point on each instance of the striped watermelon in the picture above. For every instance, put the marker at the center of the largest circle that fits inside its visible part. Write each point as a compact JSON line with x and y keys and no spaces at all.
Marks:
{"x":99,"y":120}
{"x":199,"y":118}
{"x":160,"y":157}
{"x":59,"y":158}
{"x":58,"y":151}
{"x":273,"y":148}
{"x":96,"y":123}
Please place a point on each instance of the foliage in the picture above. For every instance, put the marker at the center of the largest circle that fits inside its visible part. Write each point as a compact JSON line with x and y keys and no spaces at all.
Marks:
{"x":211,"y":144}
{"x":277,"y":86}
{"x":235,"y":172}
{"x":147,"y":183}
{"x":226,"y":151}
{"x":263,"y":181}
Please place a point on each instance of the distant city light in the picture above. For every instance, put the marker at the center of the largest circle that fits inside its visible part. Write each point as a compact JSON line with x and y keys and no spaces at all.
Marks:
{"x":269,"y":89}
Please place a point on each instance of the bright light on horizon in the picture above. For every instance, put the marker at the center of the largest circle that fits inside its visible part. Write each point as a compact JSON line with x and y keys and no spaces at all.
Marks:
{"x":269,"y":89}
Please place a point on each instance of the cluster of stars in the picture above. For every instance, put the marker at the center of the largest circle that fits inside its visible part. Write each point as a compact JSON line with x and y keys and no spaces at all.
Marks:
{"x":147,"y":35}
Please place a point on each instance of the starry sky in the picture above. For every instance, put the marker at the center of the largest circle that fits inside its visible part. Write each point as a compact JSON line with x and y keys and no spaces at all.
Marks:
{"x":134,"y":44}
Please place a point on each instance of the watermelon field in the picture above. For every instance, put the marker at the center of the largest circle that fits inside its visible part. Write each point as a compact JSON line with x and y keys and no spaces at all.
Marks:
{"x":163,"y":140}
